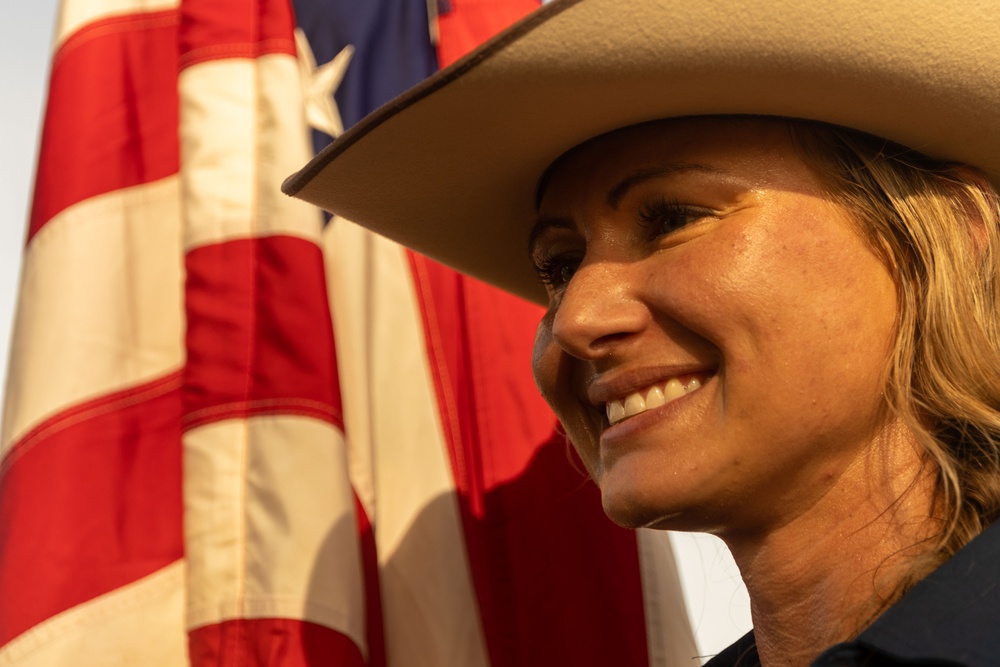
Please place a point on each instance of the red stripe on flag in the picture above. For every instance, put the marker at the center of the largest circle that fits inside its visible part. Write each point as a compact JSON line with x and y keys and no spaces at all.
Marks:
{"x":111,"y":120}
{"x":545,"y":551}
{"x":217,"y":29}
{"x":469,"y":22}
{"x":259,"y":337}
{"x":266,"y":642}
{"x":477,"y":334}
{"x":90,"y":501}
{"x":374,"y":629}
{"x":534,"y":527}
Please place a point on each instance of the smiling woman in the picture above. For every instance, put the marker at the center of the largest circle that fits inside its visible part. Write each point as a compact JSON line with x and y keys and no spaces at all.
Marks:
{"x":767,"y":318}
{"x":745,"y":285}
{"x":729,"y":313}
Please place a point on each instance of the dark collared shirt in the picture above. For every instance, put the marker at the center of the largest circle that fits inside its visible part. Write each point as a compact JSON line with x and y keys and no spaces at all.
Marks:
{"x":950,"y":618}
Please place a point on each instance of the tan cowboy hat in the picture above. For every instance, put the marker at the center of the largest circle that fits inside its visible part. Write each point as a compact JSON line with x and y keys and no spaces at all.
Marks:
{"x":450,"y":167}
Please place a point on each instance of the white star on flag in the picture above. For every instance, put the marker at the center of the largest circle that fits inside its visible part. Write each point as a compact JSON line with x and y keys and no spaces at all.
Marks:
{"x":320,"y":83}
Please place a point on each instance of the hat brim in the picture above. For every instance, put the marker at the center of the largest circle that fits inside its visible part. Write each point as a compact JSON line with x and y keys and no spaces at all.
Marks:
{"x":450,"y":167}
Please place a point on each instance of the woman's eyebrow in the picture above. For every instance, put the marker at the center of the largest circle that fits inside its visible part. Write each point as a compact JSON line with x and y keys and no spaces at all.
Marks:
{"x":618,"y":192}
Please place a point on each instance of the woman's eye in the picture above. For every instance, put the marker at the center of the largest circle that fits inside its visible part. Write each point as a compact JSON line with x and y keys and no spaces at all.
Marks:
{"x":663,"y":216}
{"x":555,"y":272}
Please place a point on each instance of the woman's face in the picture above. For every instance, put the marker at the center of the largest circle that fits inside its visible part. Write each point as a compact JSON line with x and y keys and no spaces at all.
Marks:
{"x":717,"y":329}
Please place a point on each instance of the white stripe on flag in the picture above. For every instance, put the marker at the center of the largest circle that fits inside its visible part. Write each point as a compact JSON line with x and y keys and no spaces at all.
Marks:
{"x":124,"y":247}
{"x":242,"y":133}
{"x":669,"y":638}
{"x":74,"y":15}
{"x":270,"y":527}
{"x":138,"y":624}
{"x":430,"y":610}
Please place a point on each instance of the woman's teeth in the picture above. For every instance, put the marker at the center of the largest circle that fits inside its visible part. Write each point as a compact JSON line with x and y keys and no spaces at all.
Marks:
{"x":650,"y":397}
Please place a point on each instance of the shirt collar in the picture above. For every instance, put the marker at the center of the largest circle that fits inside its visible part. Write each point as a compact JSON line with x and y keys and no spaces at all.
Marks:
{"x":950,"y":615}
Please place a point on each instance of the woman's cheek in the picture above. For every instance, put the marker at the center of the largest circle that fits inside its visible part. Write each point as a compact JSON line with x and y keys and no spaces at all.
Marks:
{"x":553,"y":371}
{"x":541,"y":357}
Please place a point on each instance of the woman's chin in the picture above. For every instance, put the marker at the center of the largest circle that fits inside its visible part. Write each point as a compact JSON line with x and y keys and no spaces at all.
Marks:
{"x":631,"y":511}
{"x":629,"y":507}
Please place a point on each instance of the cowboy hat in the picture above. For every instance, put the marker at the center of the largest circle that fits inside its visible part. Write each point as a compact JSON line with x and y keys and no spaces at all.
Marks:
{"x":450,"y":168}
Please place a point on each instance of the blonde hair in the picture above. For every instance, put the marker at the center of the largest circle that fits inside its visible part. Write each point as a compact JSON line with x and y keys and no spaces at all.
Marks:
{"x":936,"y":225}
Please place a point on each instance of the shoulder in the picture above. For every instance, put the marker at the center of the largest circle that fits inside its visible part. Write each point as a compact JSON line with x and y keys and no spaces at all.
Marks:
{"x":952,"y":617}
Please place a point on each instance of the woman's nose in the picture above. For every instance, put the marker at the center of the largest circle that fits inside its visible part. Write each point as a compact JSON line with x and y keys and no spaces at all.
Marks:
{"x":598,"y":310}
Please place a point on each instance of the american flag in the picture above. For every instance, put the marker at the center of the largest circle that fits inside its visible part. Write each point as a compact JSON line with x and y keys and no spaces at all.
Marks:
{"x":236,"y":433}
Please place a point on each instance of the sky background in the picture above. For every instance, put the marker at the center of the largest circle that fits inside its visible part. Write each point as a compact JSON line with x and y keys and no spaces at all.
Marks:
{"x":715,"y":595}
{"x":25,"y":43}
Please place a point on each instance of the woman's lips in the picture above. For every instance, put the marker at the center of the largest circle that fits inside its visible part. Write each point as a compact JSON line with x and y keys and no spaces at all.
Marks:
{"x":654,"y":396}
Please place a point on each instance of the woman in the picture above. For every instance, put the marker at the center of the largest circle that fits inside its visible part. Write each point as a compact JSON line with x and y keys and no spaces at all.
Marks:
{"x":765,"y":320}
